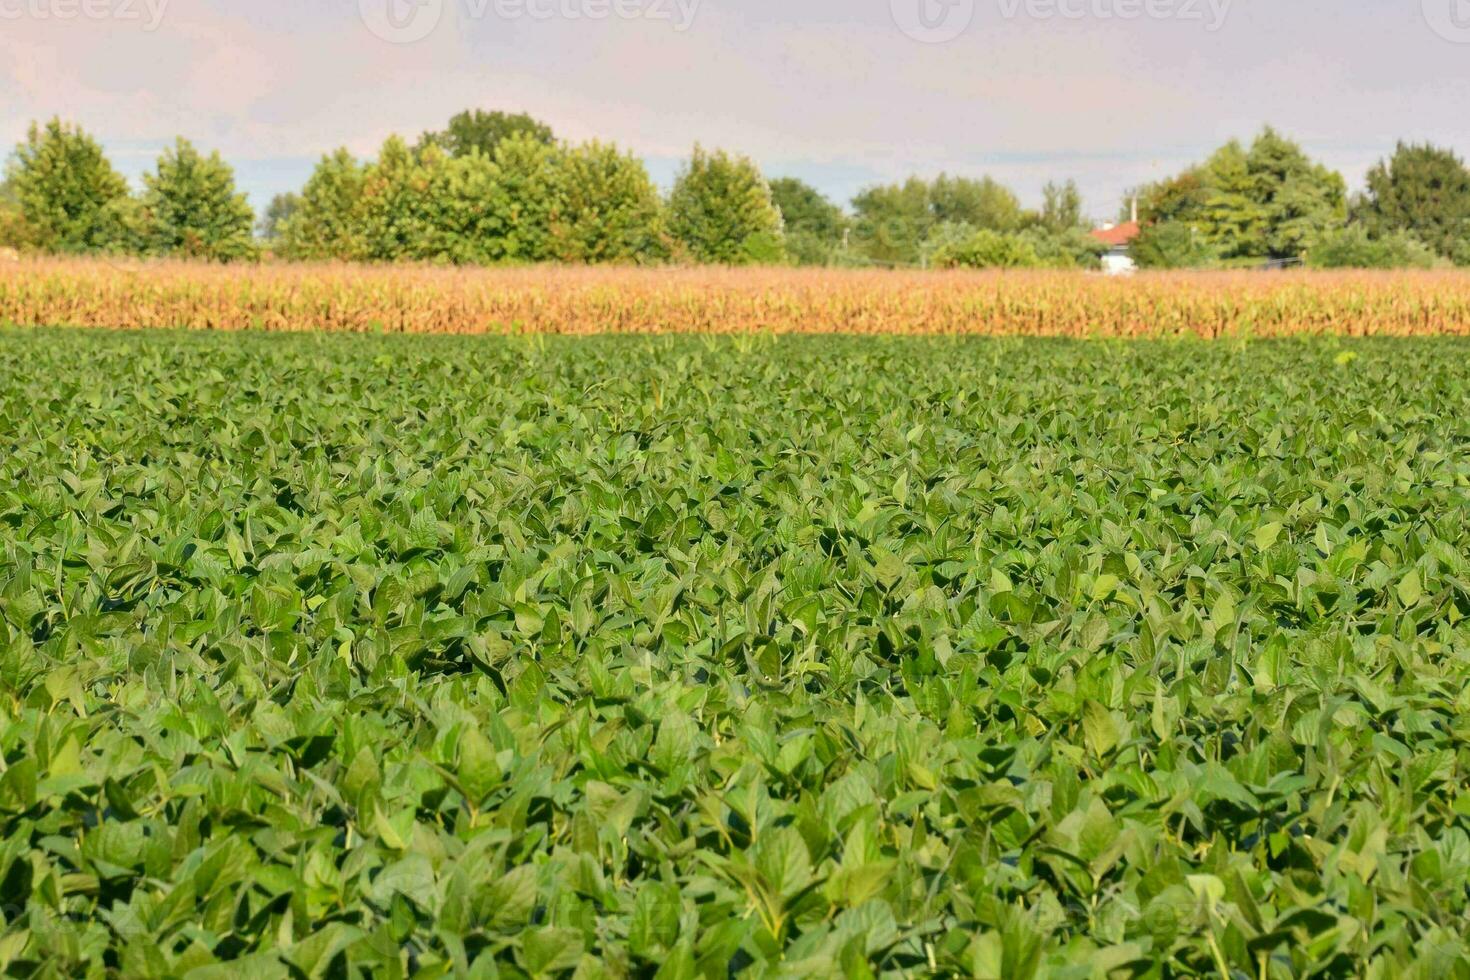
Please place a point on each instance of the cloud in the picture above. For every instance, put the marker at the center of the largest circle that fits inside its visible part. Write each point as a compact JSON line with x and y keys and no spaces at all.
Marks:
{"x":828,"y":88}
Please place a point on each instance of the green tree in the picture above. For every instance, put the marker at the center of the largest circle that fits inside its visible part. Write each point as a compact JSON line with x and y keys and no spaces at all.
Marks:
{"x":1061,"y":207}
{"x":1423,"y":191}
{"x":192,"y":209}
{"x":1268,"y":201}
{"x":65,"y":191}
{"x":611,"y":210}
{"x":328,"y":220}
{"x":398,"y":209}
{"x":893,"y":223}
{"x":985,"y":203}
{"x":721,"y":211}
{"x":530,"y":199}
{"x":1172,"y":199}
{"x":815,"y":227}
{"x":1302,"y":200}
{"x":477,"y":130}
{"x":14,"y":232}
{"x":277,"y":213}
{"x":1231,"y":219}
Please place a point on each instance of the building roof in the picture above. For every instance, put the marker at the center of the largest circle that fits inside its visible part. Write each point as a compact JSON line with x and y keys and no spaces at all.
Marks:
{"x":1116,"y":235}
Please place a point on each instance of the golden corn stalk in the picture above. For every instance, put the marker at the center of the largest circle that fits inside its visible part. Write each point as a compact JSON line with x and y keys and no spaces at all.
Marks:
{"x":588,"y":300}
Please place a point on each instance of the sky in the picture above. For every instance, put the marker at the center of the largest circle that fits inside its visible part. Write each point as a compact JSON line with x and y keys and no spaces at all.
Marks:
{"x":842,"y":93}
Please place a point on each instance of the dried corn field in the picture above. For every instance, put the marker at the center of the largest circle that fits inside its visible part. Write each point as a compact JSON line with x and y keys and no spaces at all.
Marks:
{"x":98,"y":293}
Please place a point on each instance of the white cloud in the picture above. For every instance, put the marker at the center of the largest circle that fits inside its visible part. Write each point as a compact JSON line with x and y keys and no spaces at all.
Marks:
{"x":820,"y":86}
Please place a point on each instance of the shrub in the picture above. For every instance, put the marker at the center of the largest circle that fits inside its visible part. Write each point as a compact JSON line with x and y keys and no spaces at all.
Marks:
{"x":987,"y":249}
{"x":1172,"y":245}
{"x":1354,"y":248}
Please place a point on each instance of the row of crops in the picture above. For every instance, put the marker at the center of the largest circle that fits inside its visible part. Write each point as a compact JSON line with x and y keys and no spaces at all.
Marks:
{"x":331,"y":656}
{"x":581,"y":300}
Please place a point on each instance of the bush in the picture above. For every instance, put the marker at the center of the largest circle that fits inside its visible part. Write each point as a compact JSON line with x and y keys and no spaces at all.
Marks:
{"x":1354,"y":248}
{"x":1064,"y":248}
{"x":987,"y":249}
{"x":1172,"y":245}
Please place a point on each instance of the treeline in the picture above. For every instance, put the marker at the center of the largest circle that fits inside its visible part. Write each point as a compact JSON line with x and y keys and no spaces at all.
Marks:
{"x":1269,"y":201}
{"x":497,"y":188}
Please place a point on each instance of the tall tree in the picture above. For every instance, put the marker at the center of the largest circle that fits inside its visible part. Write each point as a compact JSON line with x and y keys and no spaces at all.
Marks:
{"x":1270,"y":200}
{"x":892,"y":222}
{"x":814,"y":225}
{"x":66,"y":191}
{"x":895,"y":223}
{"x":476,"y":130}
{"x":192,"y":209}
{"x":985,"y":203}
{"x":721,"y":211}
{"x":1422,"y":190}
{"x":612,"y":211}
{"x":277,"y":213}
{"x":1061,"y":206}
{"x":1302,"y":200}
{"x":328,"y":220}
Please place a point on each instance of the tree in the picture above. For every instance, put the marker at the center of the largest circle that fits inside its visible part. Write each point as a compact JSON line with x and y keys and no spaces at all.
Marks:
{"x":191,"y":207}
{"x":277,"y":213}
{"x":894,"y":222}
{"x":476,"y":129}
{"x":1270,"y":200}
{"x":1423,"y":191}
{"x":65,"y":190}
{"x":721,"y":211}
{"x":611,"y":208}
{"x":985,"y":203}
{"x":1231,"y":217}
{"x":14,"y":232}
{"x":530,"y":198}
{"x":1061,"y":207}
{"x":815,"y":227}
{"x":328,"y":221}
{"x":396,"y":222}
{"x":1302,"y":200}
